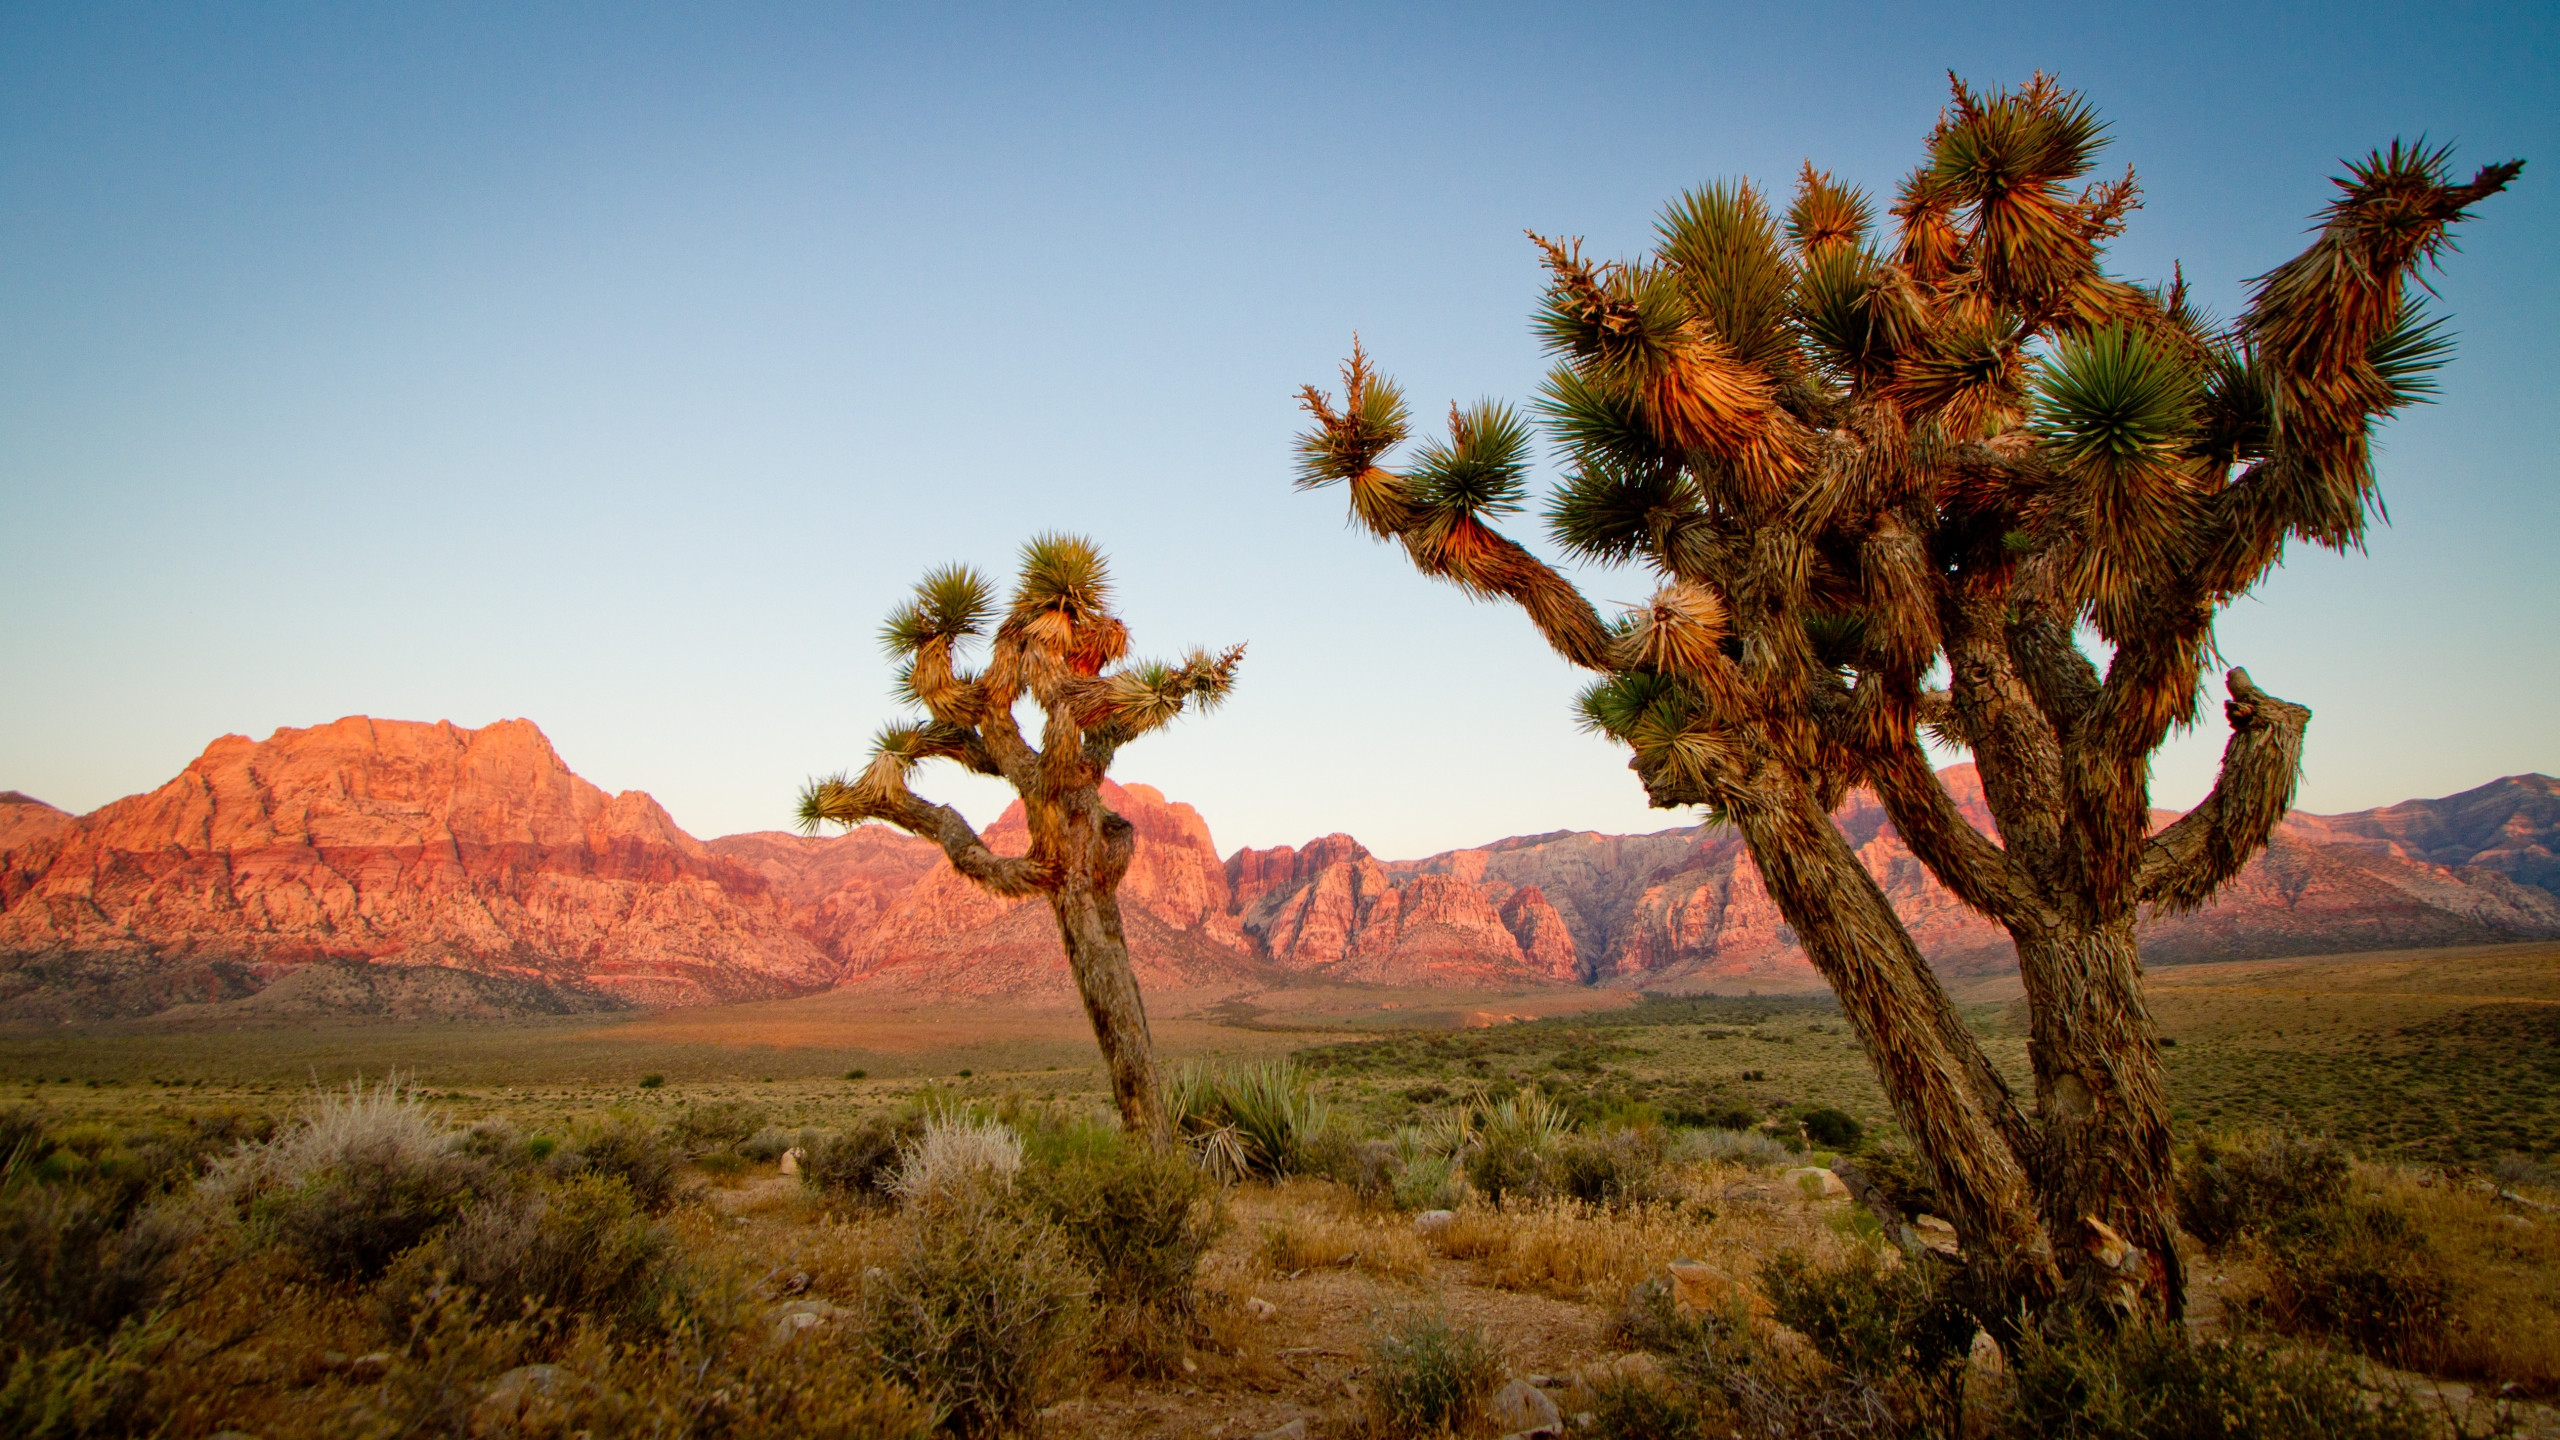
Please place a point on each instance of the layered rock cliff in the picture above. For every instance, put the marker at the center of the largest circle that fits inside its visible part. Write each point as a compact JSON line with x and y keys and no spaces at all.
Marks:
{"x":407,"y":844}
{"x":386,"y":841}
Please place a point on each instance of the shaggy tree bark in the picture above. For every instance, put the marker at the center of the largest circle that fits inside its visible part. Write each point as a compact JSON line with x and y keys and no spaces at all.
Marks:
{"x":1056,"y":637}
{"x":1850,"y":465}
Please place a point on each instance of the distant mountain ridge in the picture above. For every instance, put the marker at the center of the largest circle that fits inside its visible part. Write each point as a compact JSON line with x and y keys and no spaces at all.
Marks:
{"x":371,"y":843}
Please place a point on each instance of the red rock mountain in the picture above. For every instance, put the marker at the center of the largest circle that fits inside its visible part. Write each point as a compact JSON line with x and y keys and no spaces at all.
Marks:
{"x":478,"y":851}
{"x":383,"y":840}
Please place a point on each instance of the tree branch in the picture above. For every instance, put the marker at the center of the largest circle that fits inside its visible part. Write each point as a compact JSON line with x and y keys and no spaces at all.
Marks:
{"x":1963,"y":858}
{"x":2186,"y":863}
{"x":882,"y":794}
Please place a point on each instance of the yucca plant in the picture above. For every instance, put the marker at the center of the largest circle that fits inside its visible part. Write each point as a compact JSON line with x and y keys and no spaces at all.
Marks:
{"x":1884,"y":483}
{"x":1246,"y":1118}
{"x":1058,"y":643}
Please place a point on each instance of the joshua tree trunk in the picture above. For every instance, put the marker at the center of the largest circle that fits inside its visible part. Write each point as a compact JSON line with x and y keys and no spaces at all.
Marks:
{"x":1087,"y":908}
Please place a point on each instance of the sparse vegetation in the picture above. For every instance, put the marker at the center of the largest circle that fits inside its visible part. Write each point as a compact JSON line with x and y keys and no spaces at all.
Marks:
{"x":1428,"y":1375}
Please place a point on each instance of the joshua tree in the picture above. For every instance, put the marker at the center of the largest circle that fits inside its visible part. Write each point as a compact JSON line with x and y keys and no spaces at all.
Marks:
{"x":1053,"y":644}
{"x":1885,"y":487}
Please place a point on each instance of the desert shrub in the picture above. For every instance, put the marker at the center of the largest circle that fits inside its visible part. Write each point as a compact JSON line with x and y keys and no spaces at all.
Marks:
{"x":1512,"y":1139}
{"x":75,"y":1265}
{"x":1628,"y":1408}
{"x":1428,"y":1376}
{"x":364,"y":1175}
{"x":861,"y":1163}
{"x":1891,"y":1328}
{"x":1247,"y":1118}
{"x":1748,"y":1148}
{"x":2525,"y":1172}
{"x":582,"y":1248}
{"x":2231,"y":1187}
{"x":1830,"y":1128}
{"x":623,"y":1147}
{"x":1140,"y":1219}
{"x":984,"y":1315}
{"x":2147,"y":1383}
{"x":93,"y":1388}
{"x":1623,"y":1167}
{"x":957,"y":1156}
{"x":770,"y":1144}
{"x":1901,"y":1177}
{"x":714,"y":1125}
{"x":2359,"y":1270}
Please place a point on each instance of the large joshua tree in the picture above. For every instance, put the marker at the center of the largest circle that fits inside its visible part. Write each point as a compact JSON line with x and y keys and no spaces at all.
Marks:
{"x":1058,"y":644}
{"x":1887,"y":485}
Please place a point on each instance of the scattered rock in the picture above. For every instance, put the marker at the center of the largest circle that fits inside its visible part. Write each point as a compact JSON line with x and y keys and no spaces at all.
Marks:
{"x":1696,"y":1286}
{"x":1523,"y":1409}
{"x":510,"y":1395}
{"x":1294,"y":1430}
{"x":791,"y":1161}
{"x":798,"y":1284}
{"x":1816,"y":1183}
{"x":1432,"y":1222}
{"x":790,"y":1321}
{"x":1935,"y":1233}
{"x":1260,"y":1309}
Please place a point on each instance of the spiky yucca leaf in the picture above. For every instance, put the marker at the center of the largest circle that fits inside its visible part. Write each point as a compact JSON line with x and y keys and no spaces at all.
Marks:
{"x":1610,"y":514}
{"x":1835,"y":296}
{"x":2113,"y":397}
{"x":1724,"y":247}
{"x":1593,"y":413}
{"x":2407,"y":356}
{"x":1151,"y":694}
{"x":2006,"y":157}
{"x":1481,"y":469}
{"x":951,"y":602}
{"x":1347,"y":443}
{"x":1680,"y":631}
{"x":1062,"y":573}
{"x":1827,"y":214}
{"x":1617,"y":704}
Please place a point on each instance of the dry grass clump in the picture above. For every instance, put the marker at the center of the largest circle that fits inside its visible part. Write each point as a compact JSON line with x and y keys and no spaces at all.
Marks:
{"x":1382,"y":1246}
{"x":2501,"y":1267}
{"x":366,"y":1174}
{"x":1429,"y":1376}
{"x":957,"y":1156}
{"x":1572,"y":1250}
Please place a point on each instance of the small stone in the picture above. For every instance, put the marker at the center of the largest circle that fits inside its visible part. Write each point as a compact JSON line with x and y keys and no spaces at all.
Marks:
{"x":1816,"y":1182}
{"x":1294,"y":1430}
{"x":370,"y":1367}
{"x":1260,"y":1309}
{"x":798,"y":1284}
{"x":791,"y":1161}
{"x":1524,"y":1409}
{"x":1432,"y":1222}
{"x":1190,"y":1366}
{"x":510,"y":1395}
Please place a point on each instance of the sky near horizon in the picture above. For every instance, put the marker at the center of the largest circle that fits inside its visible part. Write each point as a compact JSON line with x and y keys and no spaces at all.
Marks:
{"x":620,"y":367}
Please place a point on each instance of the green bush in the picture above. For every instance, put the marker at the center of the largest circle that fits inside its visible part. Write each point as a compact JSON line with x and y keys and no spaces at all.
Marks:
{"x":622,"y":1146}
{"x":1896,"y":1328}
{"x":714,"y":1125}
{"x":348,"y":1220}
{"x":1626,"y":1408}
{"x":94,"y":1388}
{"x":985,"y":1314}
{"x":75,"y":1265}
{"x":1428,"y":1376}
{"x":2232,"y":1187}
{"x":1902,"y":1177}
{"x":2360,"y":1271}
{"x":862,"y":1163}
{"x":2145,"y":1383}
{"x":772,"y":1142}
{"x":1624,"y":1167}
{"x":1831,"y":1129}
{"x":1140,"y":1219}
{"x":584,"y":1248}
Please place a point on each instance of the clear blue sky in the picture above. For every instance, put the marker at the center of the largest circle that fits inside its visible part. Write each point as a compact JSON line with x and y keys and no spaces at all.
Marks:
{"x":618,"y":366}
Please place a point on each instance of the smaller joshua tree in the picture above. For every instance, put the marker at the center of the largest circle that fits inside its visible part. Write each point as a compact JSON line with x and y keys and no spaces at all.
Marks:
{"x":1059,"y":644}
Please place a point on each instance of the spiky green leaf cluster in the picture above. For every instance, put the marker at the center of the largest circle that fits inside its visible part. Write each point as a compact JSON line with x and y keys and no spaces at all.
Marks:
{"x":952,"y":603}
{"x":1064,"y":573}
{"x":2114,"y":396}
{"x":1481,"y":469}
